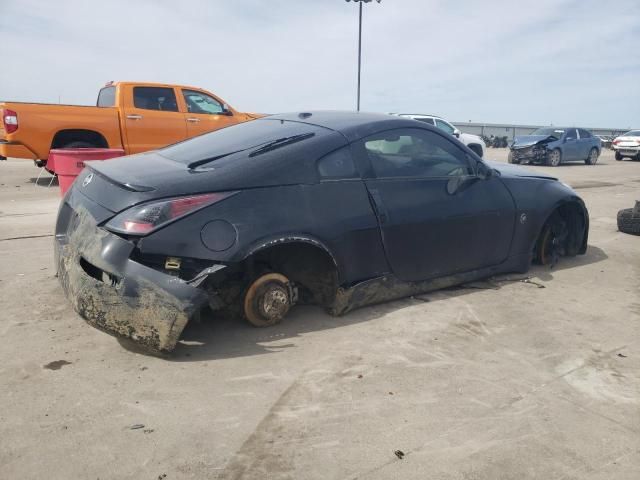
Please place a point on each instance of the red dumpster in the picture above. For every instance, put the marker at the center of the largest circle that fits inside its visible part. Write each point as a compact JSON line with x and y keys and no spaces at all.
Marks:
{"x":67,"y":163}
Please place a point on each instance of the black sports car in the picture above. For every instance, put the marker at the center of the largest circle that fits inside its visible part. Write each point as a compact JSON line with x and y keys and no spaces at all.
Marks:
{"x":332,"y":208}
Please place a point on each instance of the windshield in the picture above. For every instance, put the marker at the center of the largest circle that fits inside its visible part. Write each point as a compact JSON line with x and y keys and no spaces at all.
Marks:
{"x":254,"y":137}
{"x":632,"y":133}
{"x":553,"y":132}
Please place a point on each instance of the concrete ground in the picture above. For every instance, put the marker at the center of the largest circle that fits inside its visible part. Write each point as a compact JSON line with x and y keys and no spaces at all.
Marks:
{"x":507,"y":380}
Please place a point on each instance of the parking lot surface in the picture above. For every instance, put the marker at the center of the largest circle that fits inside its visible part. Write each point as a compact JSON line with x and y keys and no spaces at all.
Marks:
{"x":512,"y":378}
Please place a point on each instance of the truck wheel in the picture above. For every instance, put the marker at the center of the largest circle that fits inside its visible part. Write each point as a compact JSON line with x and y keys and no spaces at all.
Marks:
{"x":629,"y":220}
{"x":267,"y":300}
{"x":79,"y":144}
{"x":554,"y":157}
{"x":511,"y":159}
{"x":618,"y":156}
{"x":593,"y":157}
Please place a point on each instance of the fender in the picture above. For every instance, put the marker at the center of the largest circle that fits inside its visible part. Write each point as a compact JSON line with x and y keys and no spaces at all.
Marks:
{"x":287,"y":238}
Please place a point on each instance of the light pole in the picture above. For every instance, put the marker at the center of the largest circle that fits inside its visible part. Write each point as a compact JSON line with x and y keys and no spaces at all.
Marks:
{"x":360,"y":43}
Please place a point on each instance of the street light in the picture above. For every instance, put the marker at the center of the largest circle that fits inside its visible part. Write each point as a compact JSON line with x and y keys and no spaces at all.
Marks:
{"x":360,"y":43}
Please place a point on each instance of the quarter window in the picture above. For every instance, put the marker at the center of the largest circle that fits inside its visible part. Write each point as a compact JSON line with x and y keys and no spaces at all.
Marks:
{"x":425,"y":120}
{"x":107,"y":97}
{"x":444,"y":126}
{"x":198,"y":102}
{"x":337,"y":164}
{"x":415,"y":153}
{"x":583,"y":133}
{"x":155,"y":98}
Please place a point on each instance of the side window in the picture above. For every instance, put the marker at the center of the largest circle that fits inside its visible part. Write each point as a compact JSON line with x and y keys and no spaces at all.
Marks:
{"x":415,"y":153}
{"x":571,"y":134}
{"x":444,"y":126}
{"x":337,"y":164}
{"x":583,"y":133}
{"x":155,"y":98}
{"x":107,"y":97}
{"x":198,"y":102}
{"x":426,"y":120}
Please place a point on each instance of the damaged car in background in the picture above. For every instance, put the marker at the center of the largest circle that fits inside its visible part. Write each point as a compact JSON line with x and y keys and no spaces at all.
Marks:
{"x":335,"y":209}
{"x":553,"y":146}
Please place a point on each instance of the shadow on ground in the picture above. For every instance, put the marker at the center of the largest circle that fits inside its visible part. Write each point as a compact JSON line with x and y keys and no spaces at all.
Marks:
{"x":218,"y":338}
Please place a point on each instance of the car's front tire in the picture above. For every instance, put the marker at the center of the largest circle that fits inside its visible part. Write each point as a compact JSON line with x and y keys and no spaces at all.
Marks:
{"x":618,"y":156}
{"x":267,"y":300}
{"x":593,"y":157}
{"x":554,"y":157}
{"x":512,"y":159}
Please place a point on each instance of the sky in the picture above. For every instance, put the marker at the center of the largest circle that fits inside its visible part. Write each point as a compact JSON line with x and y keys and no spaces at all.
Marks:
{"x":542,"y":62}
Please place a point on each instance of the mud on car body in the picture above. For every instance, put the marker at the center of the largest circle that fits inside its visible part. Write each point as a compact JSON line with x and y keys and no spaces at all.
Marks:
{"x":553,"y":146}
{"x":335,"y":209}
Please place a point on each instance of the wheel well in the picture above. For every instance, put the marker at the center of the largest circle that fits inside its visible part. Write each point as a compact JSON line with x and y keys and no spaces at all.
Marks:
{"x":476,"y":148}
{"x":64,"y":137}
{"x":573,"y":216}
{"x":307,"y":265}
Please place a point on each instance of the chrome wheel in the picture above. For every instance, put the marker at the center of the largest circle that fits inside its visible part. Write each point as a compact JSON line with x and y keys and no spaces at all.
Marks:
{"x":554,"y":158}
{"x":593,"y":157}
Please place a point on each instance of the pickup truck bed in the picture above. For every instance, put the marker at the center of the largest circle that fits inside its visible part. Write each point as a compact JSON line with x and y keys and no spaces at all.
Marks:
{"x":57,"y":126}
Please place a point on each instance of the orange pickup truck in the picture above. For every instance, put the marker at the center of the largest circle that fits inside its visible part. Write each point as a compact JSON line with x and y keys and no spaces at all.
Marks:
{"x":133,"y":116}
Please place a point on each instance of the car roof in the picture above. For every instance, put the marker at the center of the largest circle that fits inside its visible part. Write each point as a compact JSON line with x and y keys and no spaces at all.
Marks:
{"x":353,"y":125}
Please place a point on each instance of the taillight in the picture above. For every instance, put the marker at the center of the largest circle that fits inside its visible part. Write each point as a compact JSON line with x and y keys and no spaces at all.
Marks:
{"x":10,"y":121}
{"x":145,"y":218}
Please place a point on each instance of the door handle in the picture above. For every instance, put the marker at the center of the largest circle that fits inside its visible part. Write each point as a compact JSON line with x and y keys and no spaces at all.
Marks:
{"x":134,"y":117}
{"x":193,"y":120}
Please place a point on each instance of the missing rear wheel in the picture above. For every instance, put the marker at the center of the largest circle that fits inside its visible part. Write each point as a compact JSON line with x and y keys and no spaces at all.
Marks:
{"x":267,"y":300}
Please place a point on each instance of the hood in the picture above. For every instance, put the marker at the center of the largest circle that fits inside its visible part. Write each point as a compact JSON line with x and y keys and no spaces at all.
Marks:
{"x":528,"y":140}
{"x":510,"y":170}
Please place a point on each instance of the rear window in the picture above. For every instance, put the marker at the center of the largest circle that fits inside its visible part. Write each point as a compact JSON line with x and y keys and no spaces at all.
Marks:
{"x":583,"y":133}
{"x":107,"y":97}
{"x":155,"y":98}
{"x":244,"y":138}
{"x":261,"y":152}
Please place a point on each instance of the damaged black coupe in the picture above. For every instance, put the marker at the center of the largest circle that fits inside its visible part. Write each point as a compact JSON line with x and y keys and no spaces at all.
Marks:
{"x":335,"y":209}
{"x":553,"y":146}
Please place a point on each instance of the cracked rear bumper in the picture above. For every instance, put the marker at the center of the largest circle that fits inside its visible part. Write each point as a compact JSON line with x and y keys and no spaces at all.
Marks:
{"x":112,"y":292}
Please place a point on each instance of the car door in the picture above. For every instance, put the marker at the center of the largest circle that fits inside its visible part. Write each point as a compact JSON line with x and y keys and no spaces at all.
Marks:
{"x":205,"y":113}
{"x":429,"y":229}
{"x":585,"y":142}
{"x":152,"y":119}
{"x":570,"y":147}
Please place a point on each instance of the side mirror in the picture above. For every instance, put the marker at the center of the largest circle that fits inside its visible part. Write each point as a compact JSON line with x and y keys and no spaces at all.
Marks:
{"x":483,"y":171}
{"x":456,"y":133}
{"x":226,"y":110}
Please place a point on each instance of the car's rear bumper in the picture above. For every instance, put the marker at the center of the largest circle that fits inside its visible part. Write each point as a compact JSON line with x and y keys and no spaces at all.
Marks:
{"x":111,"y":291}
{"x":15,"y":150}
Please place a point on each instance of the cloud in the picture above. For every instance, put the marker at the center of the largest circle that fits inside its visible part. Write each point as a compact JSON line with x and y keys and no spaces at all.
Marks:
{"x":566,"y":62}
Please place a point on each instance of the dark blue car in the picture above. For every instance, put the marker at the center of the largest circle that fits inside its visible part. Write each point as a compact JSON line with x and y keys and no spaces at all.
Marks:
{"x":553,"y":146}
